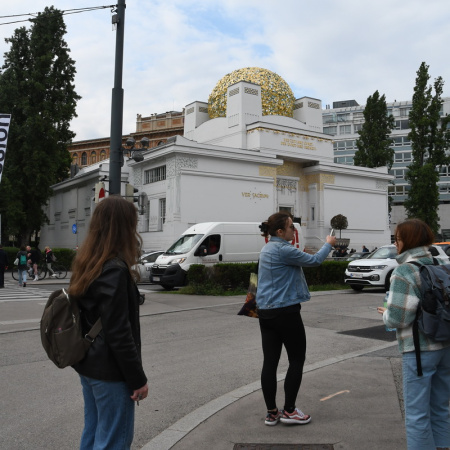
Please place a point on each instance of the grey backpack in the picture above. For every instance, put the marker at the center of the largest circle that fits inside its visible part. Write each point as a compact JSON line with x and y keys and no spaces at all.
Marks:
{"x":433,"y":312}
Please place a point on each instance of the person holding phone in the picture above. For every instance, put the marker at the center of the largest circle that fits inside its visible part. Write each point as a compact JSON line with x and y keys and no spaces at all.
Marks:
{"x":103,"y":284}
{"x":281,"y":290}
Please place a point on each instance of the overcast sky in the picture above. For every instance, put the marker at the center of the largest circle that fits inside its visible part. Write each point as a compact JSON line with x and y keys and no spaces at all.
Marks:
{"x":177,"y":50}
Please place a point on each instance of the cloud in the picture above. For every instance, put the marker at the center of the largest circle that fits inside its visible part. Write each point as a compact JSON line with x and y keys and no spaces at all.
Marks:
{"x":177,"y":50}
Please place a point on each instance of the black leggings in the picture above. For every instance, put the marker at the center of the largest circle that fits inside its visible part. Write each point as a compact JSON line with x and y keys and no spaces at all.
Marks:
{"x":285,"y":329}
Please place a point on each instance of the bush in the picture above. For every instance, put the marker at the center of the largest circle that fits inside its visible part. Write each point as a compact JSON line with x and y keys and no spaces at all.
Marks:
{"x":220,"y":278}
{"x":64,"y":256}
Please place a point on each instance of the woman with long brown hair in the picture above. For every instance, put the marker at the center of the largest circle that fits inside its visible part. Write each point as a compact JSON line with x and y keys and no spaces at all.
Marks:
{"x":103,"y":283}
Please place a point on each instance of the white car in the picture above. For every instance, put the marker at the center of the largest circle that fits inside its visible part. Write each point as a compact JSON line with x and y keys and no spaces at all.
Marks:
{"x":377,"y":268}
{"x":145,"y":263}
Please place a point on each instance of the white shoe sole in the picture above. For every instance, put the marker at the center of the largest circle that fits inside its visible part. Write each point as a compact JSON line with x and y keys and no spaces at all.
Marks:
{"x":295,"y":421}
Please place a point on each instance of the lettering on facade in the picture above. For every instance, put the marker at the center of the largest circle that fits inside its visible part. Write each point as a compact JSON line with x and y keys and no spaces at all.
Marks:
{"x":254,"y":195}
{"x":4,"y":129}
{"x":298,"y":144}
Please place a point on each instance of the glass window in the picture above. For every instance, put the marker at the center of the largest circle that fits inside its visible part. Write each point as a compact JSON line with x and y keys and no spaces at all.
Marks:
{"x":343,"y":117}
{"x":93,"y":157}
{"x":102,"y":155}
{"x":162,"y":212}
{"x":154,"y":175}
{"x":75,"y":158}
{"x":212,"y":244}
{"x":357,"y":127}
{"x":330,"y":130}
{"x":329,"y":118}
{"x":184,"y":244}
{"x":84,"y":159}
{"x":345,"y":129}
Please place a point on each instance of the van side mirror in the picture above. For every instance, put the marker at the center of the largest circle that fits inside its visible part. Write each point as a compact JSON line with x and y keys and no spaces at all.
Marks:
{"x":201,"y":251}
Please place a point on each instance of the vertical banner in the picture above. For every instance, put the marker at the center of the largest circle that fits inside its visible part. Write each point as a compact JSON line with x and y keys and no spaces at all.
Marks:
{"x":5,"y":120}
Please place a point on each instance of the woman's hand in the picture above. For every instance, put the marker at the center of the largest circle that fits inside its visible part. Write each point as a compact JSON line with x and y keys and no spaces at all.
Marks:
{"x":140,"y":394}
{"x":381,"y":310}
{"x":331,"y":240}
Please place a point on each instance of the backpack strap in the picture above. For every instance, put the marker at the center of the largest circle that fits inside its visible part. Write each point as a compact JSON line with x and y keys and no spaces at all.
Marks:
{"x":416,"y":331}
{"x":93,"y":332}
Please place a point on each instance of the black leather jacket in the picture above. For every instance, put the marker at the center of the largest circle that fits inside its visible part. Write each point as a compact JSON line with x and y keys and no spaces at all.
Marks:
{"x":115,"y":354}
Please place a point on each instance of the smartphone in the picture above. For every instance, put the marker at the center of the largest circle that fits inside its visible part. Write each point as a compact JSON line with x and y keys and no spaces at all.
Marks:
{"x":332,"y":232}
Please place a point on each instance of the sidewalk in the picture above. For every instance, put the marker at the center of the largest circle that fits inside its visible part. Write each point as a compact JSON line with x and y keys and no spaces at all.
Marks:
{"x":352,"y":399}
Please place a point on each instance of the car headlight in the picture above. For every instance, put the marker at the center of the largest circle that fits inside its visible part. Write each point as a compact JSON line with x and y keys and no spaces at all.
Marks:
{"x":378,"y":267}
{"x":178,"y":261}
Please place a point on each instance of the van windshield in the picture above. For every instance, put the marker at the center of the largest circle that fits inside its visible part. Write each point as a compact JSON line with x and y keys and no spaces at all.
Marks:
{"x":184,"y":244}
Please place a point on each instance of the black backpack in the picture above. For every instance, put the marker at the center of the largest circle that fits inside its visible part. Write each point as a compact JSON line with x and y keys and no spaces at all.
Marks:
{"x":433,"y":311}
{"x":61,"y":333}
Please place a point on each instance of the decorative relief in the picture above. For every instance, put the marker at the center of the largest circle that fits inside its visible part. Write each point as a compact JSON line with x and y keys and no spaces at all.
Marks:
{"x":289,"y":169}
{"x":190,"y":110}
{"x":283,"y":183}
{"x":178,"y":121}
{"x":316,"y":178}
{"x":233,"y":92}
{"x":298,"y":105}
{"x":267,"y":171}
{"x":251,"y":91}
{"x":137,"y":181}
{"x":313,"y":105}
{"x":174,"y":165}
{"x":202,"y":109}
{"x":383,"y":185}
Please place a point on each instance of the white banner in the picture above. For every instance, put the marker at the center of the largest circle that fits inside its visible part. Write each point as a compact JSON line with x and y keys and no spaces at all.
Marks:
{"x":5,"y":120}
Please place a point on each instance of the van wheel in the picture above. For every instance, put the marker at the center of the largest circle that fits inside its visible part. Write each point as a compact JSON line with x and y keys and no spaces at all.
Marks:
{"x":357,"y":287}
{"x":168,"y":287}
{"x":387,"y":281}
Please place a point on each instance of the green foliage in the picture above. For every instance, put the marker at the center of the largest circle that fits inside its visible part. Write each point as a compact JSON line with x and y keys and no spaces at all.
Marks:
{"x":36,"y":87}
{"x":429,"y":139}
{"x":233,"y":279}
{"x":339,"y":222}
{"x":374,"y":143}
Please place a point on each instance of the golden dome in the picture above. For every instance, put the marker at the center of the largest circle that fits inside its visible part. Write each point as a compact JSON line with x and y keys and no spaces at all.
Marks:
{"x":276,"y":95}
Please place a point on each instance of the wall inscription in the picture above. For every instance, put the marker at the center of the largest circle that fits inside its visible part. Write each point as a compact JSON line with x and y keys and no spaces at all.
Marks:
{"x":298,"y":144}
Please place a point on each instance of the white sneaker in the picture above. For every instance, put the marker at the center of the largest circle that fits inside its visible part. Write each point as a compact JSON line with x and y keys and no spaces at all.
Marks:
{"x":54,"y":275}
{"x":36,"y":279}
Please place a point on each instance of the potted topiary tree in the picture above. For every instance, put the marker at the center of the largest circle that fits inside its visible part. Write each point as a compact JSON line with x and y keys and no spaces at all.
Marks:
{"x":340,"y":223}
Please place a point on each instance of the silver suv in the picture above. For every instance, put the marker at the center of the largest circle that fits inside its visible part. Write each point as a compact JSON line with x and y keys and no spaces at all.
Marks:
{"x":377,"y":268}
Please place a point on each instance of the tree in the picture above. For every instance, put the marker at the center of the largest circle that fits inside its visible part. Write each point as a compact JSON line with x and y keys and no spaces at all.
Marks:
{"x":36,"y":87}
{"x":429,"y":139}
{"x":340,"y":223}
{"x":374,"y":143}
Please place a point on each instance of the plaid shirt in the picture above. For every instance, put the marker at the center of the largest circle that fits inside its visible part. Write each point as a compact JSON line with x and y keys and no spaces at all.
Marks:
{"x":403,"y":301}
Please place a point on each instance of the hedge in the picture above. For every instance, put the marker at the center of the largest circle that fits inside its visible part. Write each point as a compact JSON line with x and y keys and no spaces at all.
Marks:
{"x":228,"y":275}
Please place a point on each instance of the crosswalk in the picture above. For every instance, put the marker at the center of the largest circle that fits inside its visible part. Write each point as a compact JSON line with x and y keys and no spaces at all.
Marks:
{"x":12,"y":292}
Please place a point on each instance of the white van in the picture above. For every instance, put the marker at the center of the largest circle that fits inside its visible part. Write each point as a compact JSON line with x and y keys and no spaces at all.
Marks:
{"x":211,"y":243}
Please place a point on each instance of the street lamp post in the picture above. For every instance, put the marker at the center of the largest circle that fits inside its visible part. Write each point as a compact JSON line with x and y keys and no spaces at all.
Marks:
{"x":115,"y":153}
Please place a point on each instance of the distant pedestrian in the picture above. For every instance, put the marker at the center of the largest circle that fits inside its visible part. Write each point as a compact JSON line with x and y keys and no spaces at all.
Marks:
{"x":3,"y":265}
{"x":426,"y":397}
{"x":49,"y":258}
{"x":365,"y":249}
{"x":281,"y":289}
{"x":103,"y":284}
{"x":22,"y":266}
{"x":34,"y":255}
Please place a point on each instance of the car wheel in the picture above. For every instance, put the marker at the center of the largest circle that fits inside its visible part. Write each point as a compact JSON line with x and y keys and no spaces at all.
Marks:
{"x":357,"y":287}
{"x":387,"y":281}
{"x":168,"y":287}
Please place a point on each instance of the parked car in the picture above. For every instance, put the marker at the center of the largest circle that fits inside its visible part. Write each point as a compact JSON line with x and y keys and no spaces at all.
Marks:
{"x":445,"y":246}
{"x":377,"y":268}
{"x":357,"y":255}
{"x":145,"y":263}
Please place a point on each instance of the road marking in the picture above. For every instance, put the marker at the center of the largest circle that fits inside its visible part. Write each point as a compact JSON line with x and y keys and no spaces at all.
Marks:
{"x":334,"y":395}
{"x":14,"y":322}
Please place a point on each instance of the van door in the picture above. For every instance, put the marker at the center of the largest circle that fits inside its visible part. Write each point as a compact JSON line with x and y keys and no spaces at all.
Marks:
{"x":211,"y":247}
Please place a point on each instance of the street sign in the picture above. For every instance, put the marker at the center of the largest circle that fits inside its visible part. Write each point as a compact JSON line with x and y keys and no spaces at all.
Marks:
{"x":74,"y":228}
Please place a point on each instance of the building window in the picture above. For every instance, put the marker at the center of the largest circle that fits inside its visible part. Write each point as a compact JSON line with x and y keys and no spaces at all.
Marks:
{"x":402,"y":125}
{"x":84,"y":159}
{"x":330,"y":118}
{"x":343,"y":117}
{"x":162,"y":213}
{"x":93,"y":157}
{"x":313,"y":211}
{"x":154,"y":175}
{"x":345,"y":129}
{"x":102,"y":155}
{"x":75,"y":158}
{"x":357,"y":127}
{"x":330,"y":130}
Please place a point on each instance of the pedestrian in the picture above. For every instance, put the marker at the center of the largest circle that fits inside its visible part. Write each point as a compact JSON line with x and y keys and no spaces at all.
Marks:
{"x":365,"y":249}
{"x":3,"y":265}
{"x":22,"y":265}
{"x":281,"y":290}
{"x":426,"y":398}
{"x":49,"y":258}
{"x":103,"y":283}
{"x":34,"y":256}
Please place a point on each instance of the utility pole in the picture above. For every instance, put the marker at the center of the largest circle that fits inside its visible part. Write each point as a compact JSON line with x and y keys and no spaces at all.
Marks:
{"x":115,"y":153}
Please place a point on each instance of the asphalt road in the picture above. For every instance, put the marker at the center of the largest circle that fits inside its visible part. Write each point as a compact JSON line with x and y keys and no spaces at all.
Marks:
{"x":195,"y":349}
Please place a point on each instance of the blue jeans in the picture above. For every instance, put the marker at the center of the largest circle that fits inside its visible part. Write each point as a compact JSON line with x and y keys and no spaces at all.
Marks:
{"x":427,"y":414}
{"x":108,"y":415}
{"x":22,"y":276}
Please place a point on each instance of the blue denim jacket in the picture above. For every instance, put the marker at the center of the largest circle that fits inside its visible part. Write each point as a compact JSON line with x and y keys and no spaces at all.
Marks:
{"x":281,"y":281}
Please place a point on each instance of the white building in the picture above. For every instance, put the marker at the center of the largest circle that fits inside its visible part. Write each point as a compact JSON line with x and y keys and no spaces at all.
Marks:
{"x":343,"y":122}
{"x":240,"y":167}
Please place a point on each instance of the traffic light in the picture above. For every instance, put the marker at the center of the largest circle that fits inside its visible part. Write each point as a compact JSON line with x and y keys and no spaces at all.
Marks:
{"x":130,"y":190}
{"x":99,"y":192}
